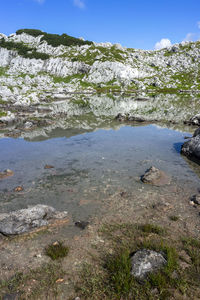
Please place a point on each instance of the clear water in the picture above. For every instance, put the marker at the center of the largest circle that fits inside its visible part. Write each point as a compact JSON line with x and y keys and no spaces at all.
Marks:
{"x":89,"y":167}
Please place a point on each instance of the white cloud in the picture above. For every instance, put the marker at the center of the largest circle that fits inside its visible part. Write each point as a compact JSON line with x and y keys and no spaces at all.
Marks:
{"x":189,"y":37}
{"x":198,"y":24}
{"x":164,"y":43}
{"x":79,"y":3}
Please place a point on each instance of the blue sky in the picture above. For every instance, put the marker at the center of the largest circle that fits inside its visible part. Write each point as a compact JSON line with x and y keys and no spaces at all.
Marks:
{"x":136,"y":24}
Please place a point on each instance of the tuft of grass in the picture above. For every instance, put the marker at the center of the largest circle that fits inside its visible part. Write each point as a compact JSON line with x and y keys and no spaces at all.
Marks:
{"x":174,"y":218}
{"x":151,"y":228}
{"x":118,"y":268}
{"x":56,"y":250}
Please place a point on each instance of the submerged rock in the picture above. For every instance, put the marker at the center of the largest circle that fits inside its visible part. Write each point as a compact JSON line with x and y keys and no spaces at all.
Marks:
{"x":156,"y":177}
{"x":146,"y":261}
{"x":24,"y":220}
{"x":48,"y":167}
{"x":6,"y":173}
{"x":19,"y":188}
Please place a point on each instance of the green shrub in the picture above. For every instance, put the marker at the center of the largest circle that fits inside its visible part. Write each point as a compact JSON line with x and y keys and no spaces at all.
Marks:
{"x":23,"y":50}
{"x":54,"y":39}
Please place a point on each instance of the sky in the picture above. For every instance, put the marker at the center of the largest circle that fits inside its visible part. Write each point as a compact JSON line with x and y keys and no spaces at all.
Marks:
{"x":144,"y":24}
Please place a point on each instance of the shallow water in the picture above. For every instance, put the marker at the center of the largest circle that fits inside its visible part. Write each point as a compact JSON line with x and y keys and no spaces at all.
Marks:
{"x":89,"y":167}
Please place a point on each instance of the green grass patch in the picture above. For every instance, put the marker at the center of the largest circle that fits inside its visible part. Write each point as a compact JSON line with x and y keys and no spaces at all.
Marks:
{"x":3,"y":102}
{"x":67,"y":79}
{"x":56,"y":250}
{"x":3,"y":71}
{"x":39,"y":283}
{"x":99,"y":53}
{"x":185,"y":80}
{"x":3,"y":114}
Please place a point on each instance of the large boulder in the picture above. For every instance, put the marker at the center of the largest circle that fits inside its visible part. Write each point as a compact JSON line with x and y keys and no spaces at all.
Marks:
{"x":156,"y":177}
{"x":24,"y":220}
{"x":191,"y":148}
{"x":146,"y":261}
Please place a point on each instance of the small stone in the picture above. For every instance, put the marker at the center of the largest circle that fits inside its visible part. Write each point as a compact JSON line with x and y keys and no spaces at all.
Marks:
{"x":123,"y":194}
{"x":146,"y":261}
{"x":60,"y":280}
{"x":82,"y":224}
{"x":56,"y":243}
{"x":28,"y":125}
{"x":6,"y":173}
{"x":48,"y":167}
{"x":19,"y":189}
{"x":195,"y":199}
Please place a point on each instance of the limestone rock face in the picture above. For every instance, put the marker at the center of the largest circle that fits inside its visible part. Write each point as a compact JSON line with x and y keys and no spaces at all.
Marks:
{"x":107,"y":71}
{"x":24,"y":220}
{"x":156,"y":177}
{"x":146,"y":261}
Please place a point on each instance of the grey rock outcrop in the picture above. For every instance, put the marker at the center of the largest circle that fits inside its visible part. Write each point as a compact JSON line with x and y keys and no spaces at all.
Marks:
{"x":197,"y":132}
{"x":191,"y":148}
{"x":155,"y":177}
{"x":145,"y":261}
{"x":24,"y":220}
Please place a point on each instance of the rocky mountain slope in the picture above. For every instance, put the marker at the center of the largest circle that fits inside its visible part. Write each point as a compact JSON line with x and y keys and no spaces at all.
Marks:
{"x":43,"y":71}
